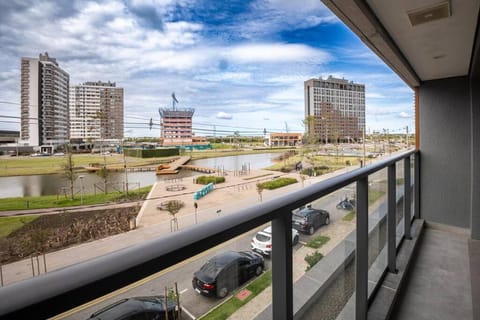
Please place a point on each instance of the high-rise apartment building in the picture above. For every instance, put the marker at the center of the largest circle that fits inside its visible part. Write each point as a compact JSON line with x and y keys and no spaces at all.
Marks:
{"x":176,"y":125}
{"x":96,"y":111}
{"x":334,"y":109}
{"x":44,"y":102}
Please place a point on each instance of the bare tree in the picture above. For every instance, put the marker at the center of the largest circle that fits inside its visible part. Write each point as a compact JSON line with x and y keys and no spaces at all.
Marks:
{"x":36,"y":243}
{"x":260,"y":190}
{"x":103,"y":173}
{"x":173,"y":207}
{"x":69,"y":170}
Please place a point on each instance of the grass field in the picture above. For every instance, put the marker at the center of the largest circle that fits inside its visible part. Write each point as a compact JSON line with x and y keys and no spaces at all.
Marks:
{"x":23,"y":203}
{"x":10,"y":224}
{"x":12,"y":166}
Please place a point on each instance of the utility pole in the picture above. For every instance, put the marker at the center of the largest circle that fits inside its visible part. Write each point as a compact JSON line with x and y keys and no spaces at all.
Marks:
{"x":363,"y":140}
{"x":406,"y":138}
{"x":125,"y":169}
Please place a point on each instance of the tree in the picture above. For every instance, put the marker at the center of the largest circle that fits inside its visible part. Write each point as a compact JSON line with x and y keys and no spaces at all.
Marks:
{"x":103,"y":173}
{"x":302,"y":178}
{"x":69,"y":170}
{"x":311,"y":136}
{"x":260,"y":190}
{"x":36,"y":243}
{"x":173,"y":207}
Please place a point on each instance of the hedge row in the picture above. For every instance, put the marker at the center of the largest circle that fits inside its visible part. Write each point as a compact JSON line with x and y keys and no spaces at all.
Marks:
{"x":277,"y":183}
{"x":152,"y":153}
{"x":209,"y":179}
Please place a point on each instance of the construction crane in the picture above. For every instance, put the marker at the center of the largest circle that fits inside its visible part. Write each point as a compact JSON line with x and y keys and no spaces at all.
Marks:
{"x":174,"y":100}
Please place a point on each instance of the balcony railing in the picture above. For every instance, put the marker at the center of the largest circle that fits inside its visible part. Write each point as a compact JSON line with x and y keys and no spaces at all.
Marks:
{"x":53,"y":293}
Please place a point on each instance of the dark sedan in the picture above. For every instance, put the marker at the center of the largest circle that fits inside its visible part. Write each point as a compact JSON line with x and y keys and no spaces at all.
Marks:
{"x":309,"y":219}
{"x":226,"y":271}
{"x":152,"y":307}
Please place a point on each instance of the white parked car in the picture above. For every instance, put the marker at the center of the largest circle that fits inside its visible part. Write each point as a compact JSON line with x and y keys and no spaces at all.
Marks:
{"x":262,"y":241}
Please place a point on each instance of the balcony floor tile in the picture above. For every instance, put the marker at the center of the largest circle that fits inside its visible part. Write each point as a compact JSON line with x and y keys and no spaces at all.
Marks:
{"x":439,"y":284}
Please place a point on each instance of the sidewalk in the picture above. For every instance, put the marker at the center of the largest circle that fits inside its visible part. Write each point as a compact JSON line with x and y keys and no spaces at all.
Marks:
{"x":229,"y":197}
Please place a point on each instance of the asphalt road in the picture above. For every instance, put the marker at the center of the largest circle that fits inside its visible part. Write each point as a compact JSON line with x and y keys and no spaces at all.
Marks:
{"x":193,"y":304}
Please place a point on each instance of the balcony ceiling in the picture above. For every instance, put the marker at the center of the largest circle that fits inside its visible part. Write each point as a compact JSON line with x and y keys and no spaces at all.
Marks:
{"x":435,"y":49}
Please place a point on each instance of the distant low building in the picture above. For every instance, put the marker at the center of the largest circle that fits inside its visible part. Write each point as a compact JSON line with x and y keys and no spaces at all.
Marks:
{"x":285,"y":139}
{"x":9,"y":136}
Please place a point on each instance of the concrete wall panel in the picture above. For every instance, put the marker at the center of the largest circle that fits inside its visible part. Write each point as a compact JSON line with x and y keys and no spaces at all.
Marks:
{"x":445,"y":144}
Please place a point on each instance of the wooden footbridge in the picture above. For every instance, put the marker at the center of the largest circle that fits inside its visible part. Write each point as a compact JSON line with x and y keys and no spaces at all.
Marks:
{"x":199,"y":169}
{"x":180,"y":163}
{"x":170,"y":168}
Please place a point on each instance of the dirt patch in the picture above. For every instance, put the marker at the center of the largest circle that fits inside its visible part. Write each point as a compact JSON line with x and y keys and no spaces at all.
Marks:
{"x":57,"y":231}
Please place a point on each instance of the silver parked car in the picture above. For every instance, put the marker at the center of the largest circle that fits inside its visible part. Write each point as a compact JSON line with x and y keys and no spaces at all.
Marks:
{"x":262,"y":241}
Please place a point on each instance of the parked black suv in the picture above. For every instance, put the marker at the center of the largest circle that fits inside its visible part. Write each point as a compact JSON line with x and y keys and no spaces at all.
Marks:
{"x":309,"y":219}
{"x":147,"y":308}
{"x":226,"y":271}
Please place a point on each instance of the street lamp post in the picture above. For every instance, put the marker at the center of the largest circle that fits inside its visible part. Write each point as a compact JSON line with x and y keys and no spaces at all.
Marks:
{"x":363,"y":140}
{"x":196,"y":207}
{"x":81,"y":190}
{"x":125,"y":170}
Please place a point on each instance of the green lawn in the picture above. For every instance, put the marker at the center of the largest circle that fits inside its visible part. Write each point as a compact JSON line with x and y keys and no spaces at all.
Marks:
{"x":229,"y":307}
{"x":10,"y":224}
{"x":22,"y":203}
{"x":46,"y":165}
{"x":318,"y":242}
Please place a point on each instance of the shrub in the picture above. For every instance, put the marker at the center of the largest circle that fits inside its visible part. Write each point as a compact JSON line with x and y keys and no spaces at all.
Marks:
{"x":312,"y":259}
{"x":209,"y":179}
{"x":287,"y":168}
{"x":316,"y":171}
{"x":278,"y":183}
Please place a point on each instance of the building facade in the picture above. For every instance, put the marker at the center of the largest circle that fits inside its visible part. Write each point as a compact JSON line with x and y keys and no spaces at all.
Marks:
{"x":176,"y":126}
{"x":96,"y":111}
{"x":285,"y":139}
{"x":334,"y":109}
{"x":44,"y":102}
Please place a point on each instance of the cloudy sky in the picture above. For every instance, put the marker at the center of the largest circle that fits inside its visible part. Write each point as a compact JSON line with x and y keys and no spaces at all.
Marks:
{"x":240,"y":64}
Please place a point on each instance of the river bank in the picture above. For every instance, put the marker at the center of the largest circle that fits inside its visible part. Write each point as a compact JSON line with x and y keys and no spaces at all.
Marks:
{"x":26,"y":165}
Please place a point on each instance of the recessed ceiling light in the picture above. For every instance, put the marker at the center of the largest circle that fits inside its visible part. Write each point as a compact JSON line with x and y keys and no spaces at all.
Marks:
{"x":431,"y":13}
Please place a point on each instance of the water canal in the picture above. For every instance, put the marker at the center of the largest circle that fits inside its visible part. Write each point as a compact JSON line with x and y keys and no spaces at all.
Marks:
{"x":54,"y":184}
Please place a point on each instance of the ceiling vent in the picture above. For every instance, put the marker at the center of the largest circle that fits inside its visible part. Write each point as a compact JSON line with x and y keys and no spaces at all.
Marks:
{"x":431,"y":13}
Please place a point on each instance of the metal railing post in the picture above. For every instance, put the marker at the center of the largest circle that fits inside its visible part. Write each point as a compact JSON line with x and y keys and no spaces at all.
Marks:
{"x":407,"y":198}
{"x":361,"y":258}
{"x":282,"y":275}
{"x":416,"y":200}
{"x":391,"y":218}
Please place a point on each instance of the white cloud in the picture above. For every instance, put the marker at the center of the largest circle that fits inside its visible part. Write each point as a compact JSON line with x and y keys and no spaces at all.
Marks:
{"x":224,"y":115}
{"x":405,"y":115}
{"x":275,"y":52}
{"x":240,"y":69}
{"x":225,"y":76}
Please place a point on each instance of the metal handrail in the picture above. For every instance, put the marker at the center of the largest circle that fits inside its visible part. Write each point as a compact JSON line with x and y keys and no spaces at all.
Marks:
{"x":58,"y":291}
